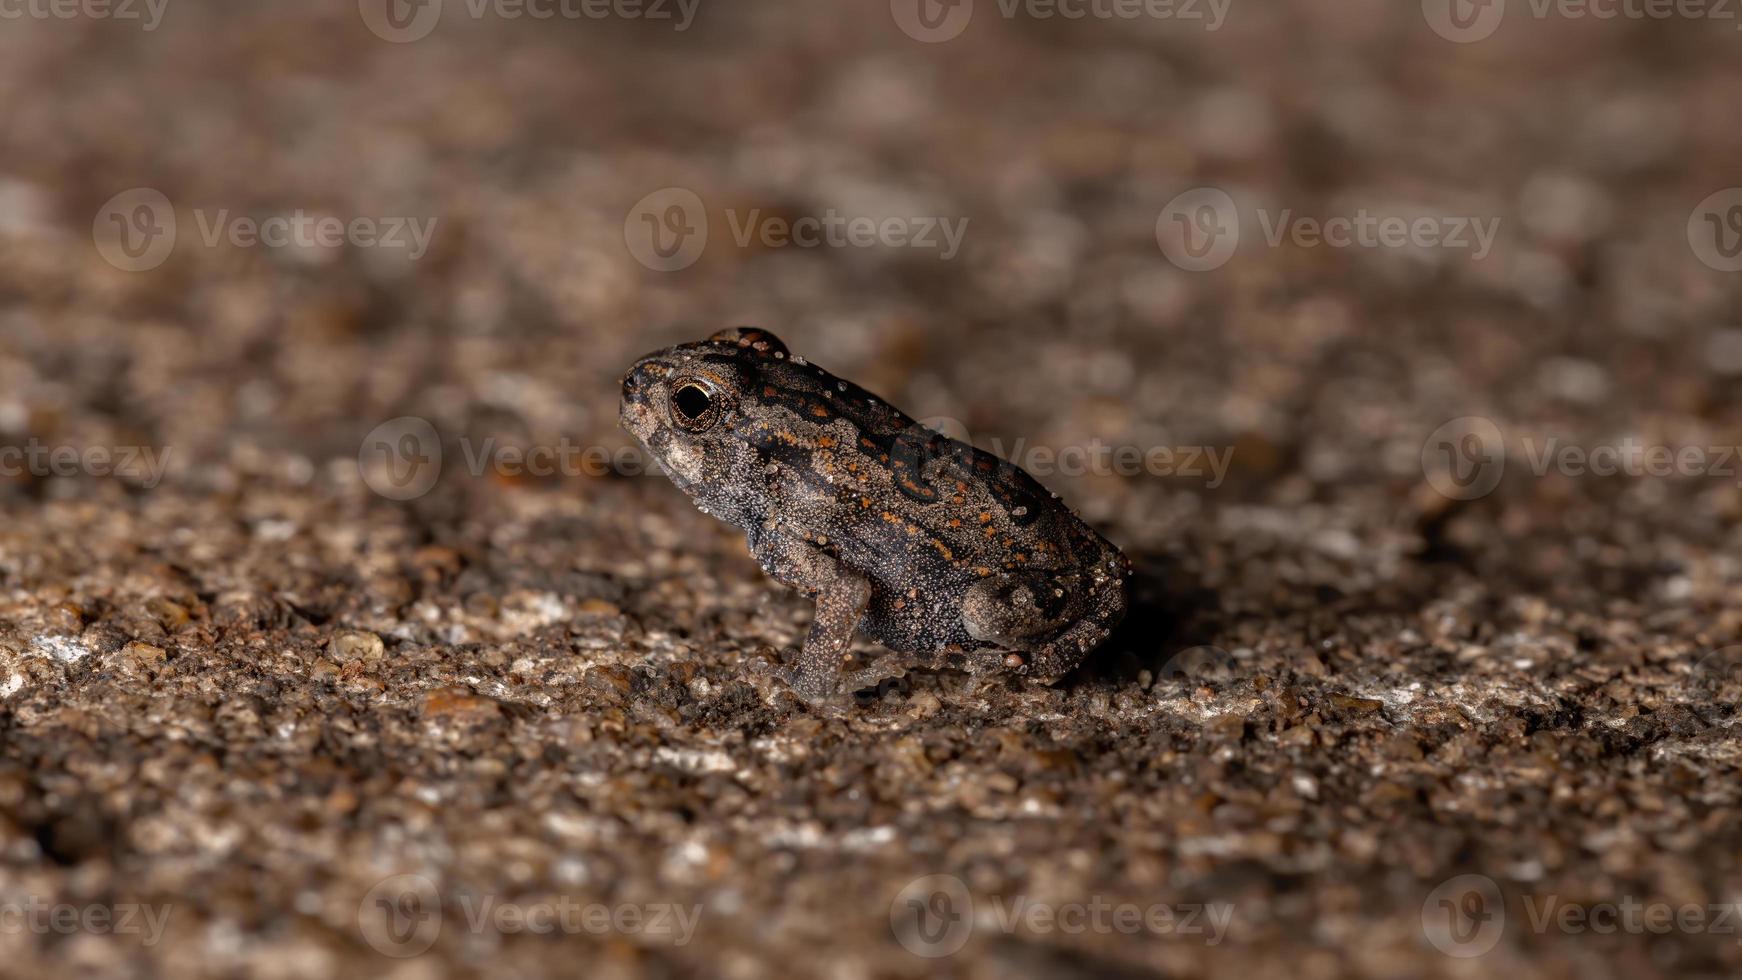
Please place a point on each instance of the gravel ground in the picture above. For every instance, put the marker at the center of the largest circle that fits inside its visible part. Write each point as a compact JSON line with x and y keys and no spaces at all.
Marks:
{"x":1412,"y":686}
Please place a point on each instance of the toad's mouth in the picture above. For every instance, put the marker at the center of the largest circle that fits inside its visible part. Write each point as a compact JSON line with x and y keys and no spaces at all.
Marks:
{"x":637,"y":417}
{"x":680,"y":464}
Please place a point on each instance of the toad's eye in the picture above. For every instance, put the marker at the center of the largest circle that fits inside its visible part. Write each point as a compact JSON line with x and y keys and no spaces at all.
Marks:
{"x":693,"y":402}
{"x":694,"y":406}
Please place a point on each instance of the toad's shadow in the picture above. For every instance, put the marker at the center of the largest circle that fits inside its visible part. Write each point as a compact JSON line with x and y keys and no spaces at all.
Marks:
{"x":1173,"y":619}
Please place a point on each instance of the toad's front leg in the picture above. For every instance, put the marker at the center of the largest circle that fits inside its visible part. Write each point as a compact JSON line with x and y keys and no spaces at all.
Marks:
{"x":841,"y":594}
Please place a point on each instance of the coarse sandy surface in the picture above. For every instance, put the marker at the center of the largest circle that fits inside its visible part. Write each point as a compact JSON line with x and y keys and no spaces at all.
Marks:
{"x":260,"y":720}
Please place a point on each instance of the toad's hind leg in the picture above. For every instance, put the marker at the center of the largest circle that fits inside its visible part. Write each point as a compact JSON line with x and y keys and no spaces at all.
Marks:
{"x":1040,"y":616}
{"x":1015,"y":610}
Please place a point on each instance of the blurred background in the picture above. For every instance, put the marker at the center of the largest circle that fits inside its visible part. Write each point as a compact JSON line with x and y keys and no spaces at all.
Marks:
{"x":308,"y":659}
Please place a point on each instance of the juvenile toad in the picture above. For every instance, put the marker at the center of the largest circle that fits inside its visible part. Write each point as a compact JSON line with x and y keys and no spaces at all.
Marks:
{"x":933,"y":548}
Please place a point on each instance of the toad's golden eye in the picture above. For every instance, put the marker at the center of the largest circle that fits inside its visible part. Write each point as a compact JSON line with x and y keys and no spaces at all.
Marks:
{"x":694,"y":405}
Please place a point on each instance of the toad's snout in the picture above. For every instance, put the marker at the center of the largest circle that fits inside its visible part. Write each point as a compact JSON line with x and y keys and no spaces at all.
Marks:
{"x":636,"y":411}
{"x":642,"y":378}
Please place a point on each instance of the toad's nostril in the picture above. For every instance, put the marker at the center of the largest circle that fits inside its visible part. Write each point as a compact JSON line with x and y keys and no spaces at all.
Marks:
{"x":641,"y":378}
